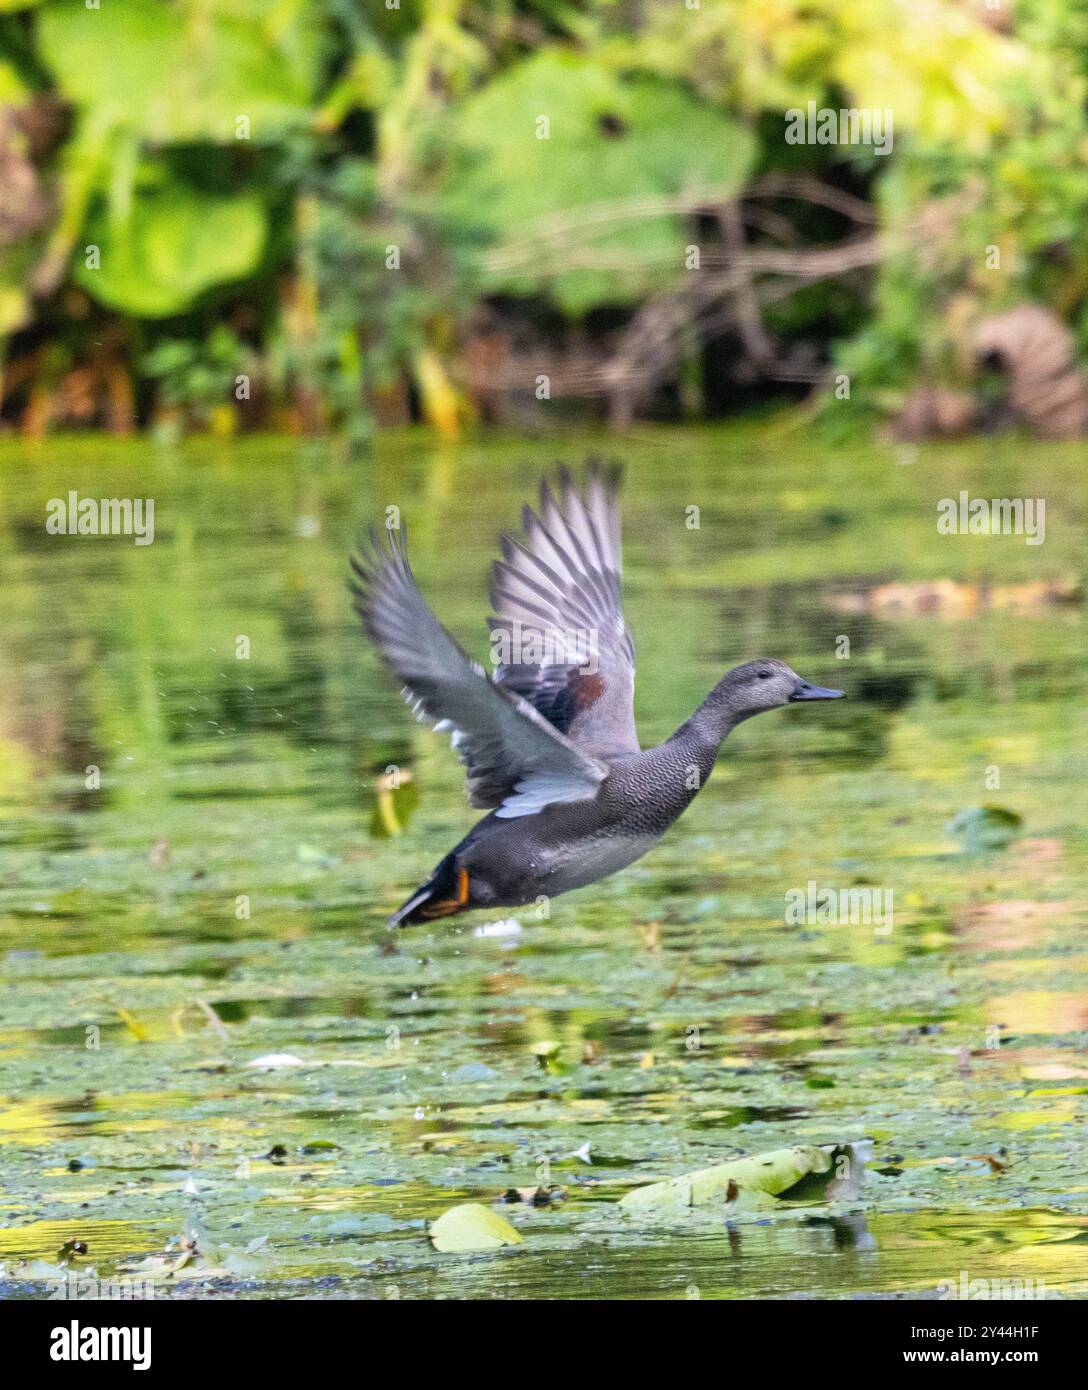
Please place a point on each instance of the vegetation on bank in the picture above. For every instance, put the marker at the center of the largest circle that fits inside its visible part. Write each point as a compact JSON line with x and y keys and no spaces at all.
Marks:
{"x":314,"y":214}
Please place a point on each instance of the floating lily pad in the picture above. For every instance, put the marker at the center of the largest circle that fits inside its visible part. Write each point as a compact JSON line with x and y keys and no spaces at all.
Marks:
{"x":805,"y":1173}
{"x":471,"y":1226}
{"x":472,"y":1073}
{"x":982,"y":828}
{"x":276,"y":1061}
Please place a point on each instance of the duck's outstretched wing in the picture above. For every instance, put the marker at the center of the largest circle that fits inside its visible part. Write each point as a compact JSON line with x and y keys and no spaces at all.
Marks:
{"x":515,"y":759}
{"x":558,"y":615}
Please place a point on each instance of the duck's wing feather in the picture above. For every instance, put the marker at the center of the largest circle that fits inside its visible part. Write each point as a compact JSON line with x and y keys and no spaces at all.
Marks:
{"x":515,"y":760}
{"x":558,"y":624}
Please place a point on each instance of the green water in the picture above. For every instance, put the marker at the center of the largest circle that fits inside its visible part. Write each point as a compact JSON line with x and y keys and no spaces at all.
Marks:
{"x":219,"y":897}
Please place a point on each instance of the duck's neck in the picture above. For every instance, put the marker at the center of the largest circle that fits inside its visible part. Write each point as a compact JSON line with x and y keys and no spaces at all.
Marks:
{"x":715,"y":718}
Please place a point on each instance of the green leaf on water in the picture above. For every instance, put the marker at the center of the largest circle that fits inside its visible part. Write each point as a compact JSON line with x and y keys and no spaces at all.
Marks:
{"x":982,"y":828}
{"x":547,"y":1056}
{"x":396,"y":798}
{"x":804,"y":1173}
{"x":133,"y":1024}
{"x":311,"y":854}
{"x":471,"y":1226}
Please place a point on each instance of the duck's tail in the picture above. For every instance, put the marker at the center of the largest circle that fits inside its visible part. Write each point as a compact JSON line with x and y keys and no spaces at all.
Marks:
{"x":445,"y":894}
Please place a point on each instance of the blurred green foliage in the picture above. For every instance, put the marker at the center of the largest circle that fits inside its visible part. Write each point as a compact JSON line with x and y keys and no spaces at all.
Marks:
{"x":337,"y":187}
{"x":607,"y":141}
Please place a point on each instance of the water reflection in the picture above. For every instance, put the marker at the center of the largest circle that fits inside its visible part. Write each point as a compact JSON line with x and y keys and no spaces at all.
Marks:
{"x":686,"y":1021}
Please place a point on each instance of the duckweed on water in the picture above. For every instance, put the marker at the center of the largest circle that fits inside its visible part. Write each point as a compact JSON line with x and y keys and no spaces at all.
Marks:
{"x":150,"y":1126}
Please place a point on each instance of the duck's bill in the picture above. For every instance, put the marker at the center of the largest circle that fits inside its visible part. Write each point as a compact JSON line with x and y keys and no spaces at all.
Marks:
{"x":816,"y":692}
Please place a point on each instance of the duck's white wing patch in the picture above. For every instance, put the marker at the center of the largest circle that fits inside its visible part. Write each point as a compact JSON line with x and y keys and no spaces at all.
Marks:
{"x":533,"y":793}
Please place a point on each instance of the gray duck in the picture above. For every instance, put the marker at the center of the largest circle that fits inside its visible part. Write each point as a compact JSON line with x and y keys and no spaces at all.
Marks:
{"x":549,"y":742}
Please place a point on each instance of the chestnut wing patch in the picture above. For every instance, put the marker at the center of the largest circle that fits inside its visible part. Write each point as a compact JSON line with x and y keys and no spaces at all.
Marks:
{"x":559,"y":592}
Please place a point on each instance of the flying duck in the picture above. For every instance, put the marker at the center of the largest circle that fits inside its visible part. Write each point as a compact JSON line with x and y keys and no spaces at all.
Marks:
{"x":548,"y":740}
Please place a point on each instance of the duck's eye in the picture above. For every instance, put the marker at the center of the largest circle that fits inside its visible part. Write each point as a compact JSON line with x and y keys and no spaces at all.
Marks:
{"x":764,"y":675}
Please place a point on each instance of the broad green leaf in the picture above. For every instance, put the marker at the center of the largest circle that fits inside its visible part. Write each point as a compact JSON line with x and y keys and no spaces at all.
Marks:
{"x":13,"y":90}
{"x":805,"y":1173}
{"x":582,"y":211}
{"x":16,"y":268}
{"x":14,"y":308}
{"x":945,"y":78}
{"x":177,"y":243}
{"x":187,"y":70}
{"x":471,"y":1226}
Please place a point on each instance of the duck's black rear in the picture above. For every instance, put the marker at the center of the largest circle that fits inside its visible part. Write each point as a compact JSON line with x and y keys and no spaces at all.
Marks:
{"x":445,"y":893}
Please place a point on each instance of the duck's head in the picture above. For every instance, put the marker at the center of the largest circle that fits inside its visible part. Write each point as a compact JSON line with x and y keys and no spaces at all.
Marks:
{"x":765,"y":684}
